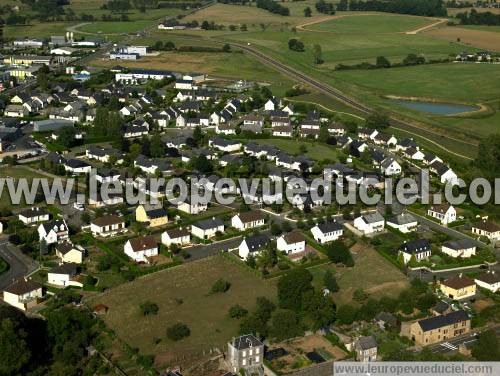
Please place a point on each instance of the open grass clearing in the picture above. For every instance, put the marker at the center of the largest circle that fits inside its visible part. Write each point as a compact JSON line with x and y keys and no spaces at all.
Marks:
{"x":371,"y":272}
{"x":36,"y":30}
{"x":182,"y":294}
{"x":377,"y":23}
{"x":314,"y":151}
{"x":481,"y":37}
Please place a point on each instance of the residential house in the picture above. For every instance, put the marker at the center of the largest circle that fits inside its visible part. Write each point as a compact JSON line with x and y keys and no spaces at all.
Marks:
{"x":107,"y":225}
{"x":246,"y":353}
{"x":292,"y":243}
{"x":436,"y":329}
{"x":367,"y":133}
{"x":23,"y":294}
{"x":336,"y":129}
{"x":77,"y":166}
{"x":386,"y":320}
{"x":103,"y":155}
{"x":458,"y":287}
{"x":489,"y":281}
{"x":107,"y":175}
{"x":70,"y":253}
{"x":252,"y":123}
{"x":327,"y":232}
{"x":384,"y":139}
{"x":64,"y":275}
{"x":207,"y":228}
{"x":271,"y":104}
{"x":489,"y":229}
{"x":366,"y":349}
{"x":54,"y":231}
{"x":445,"y":213}
{"x":463,"y":248}
{"x":228,"y":146}
{"x":225,"y":129}
{"x":33,"y":215}
{"x":192,"y":207}
{"x":390,"y":166}
{"x":285,"y":131}
{"x":180,"y":236}
{"x":414,"y":154}
{"x":141,"y":249}
{"x":279,"y":119}
{"x":403,"y":222}
{"x":430,"y":158}
{"x":252,"y":246}
{"x":154,"y":215}
{"x":370,"y":223}
{"x":406,"y":143}
{"x":420,"y":249}
{"x":16,"y":111}
{"x":248,"y":220}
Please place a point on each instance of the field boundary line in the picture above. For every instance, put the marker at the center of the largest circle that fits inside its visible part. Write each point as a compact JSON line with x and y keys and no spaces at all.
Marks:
{"x":424,"y":28}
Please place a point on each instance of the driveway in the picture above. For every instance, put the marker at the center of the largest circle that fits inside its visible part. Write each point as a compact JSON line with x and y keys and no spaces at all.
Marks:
{"x":20,"y":264}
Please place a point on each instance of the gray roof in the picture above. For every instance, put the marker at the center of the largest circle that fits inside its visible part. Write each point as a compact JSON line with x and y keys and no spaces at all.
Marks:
{"x":246,"y":341}
{"x":209,"y":223}
{"x":417,"y":246}
{"x":460,"y":244}
{"x":367,"y":342}
{"x":402,"y":219}
{"x":443,"y":320}
{"x":329,"y":227}
{"x":256,"y":242}
{"x":373,"y":217}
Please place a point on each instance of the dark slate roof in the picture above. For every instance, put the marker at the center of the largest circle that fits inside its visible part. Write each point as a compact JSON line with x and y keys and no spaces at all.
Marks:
{"x":33,"y":212}
{"x":70,"y":269}
{"x":246,"y":341}
{"x":23,"y":286}
{"x":460,"y":244}
{"x":156,"y":213}
{"x":209,"y":223}
{"x":443,"y":320}
{"x":330,"y":227}
{"x":256,"y":242}
{"x":417,"y":246}
{"x":367,"y":342}
{"x":76,"y":163}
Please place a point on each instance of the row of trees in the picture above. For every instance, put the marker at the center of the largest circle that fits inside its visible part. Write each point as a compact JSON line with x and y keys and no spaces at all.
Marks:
{"x":383,"y":62}
{"x":479,"y":18}
{"x":323,"y":7}
{"x":273,"y":7}
{"x":430,"y":8}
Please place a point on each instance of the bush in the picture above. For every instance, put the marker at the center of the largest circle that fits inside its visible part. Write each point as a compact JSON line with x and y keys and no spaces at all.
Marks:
{"x":237,"y":312}
{"x":149,"y":308}
{"x":178,"y":331}
{"x":220,"y":286}
{"x":296,"y":45}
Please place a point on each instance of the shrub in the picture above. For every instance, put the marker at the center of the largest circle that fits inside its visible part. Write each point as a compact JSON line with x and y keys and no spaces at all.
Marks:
{"x":237,"y":312}
{"x":149,"y":308}
{"x":178,"y":331}
{"x":220,"y":286}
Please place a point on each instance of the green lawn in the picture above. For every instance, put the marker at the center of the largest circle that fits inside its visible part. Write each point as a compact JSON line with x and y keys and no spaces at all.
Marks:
{"x":15,"y":172}
{"x":102,"y":27}
{"x":378,"y":24}
{"x":495,"y":29}
{"x":371,"y":272}
{"x":37,"y":29}
{"x":182,"y":294}
{"x":314,"y":151}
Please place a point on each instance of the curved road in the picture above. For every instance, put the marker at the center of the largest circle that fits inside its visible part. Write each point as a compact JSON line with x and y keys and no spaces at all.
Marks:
{"x":20,"y":264}
{"x":331,"y":91}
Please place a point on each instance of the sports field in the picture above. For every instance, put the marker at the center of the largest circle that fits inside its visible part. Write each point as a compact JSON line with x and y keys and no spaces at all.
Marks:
{"x":183,"y":295}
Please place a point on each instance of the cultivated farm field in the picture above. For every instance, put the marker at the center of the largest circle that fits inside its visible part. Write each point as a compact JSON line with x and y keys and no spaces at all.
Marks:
{"x":182,"y":294}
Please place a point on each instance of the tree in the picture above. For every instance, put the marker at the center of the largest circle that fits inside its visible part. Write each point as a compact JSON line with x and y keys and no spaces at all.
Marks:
{"x":226,"y":47}
{"x":318,"y":54}
{"x":488,"y":160}
{"x":264,"y":308}
{"x":318,"y":308}
{"x":377,"y":120}
{"x":284,"y":324}
{"x":202,"y":164}
{"x":360,"y":295}
{"x":346,"y":314}
{"x":251,"y":324}
{"x":307,"y":12}
{"x":486,"y":348}
{"x":178,"y":331}
{"x":14,"y":351}
{"x":291,"y":288}
{"x":296,"y":45}
{"x":338,"y":252}
{"x":149,"y":308}
{"x":382,"y":62}
{"x":220,"y":286}
{"x":157,"y":147}
{"x":237,"y":312}
{"x":330,"y":282}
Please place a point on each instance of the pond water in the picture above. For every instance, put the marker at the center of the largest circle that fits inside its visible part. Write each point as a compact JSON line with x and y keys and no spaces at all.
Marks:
{"x":435,"y":108}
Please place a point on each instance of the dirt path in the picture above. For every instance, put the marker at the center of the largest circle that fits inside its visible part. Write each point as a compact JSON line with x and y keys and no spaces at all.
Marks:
{"x":427,"y":27}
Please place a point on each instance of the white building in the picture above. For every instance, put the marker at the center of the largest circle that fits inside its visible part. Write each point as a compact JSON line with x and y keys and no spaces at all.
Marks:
{"x":464,"y":248}
{"x":179,"y":236}
{"x":292,"y":243}
{"x":248,"y":220}
{"x":420,"y":248}
{"x":404,"y":222}
{"x":107,"y":225}
{"x":54,"y":231}
{"x":489,"y":281}
{"x":488,"y":229}
{"x":370,"y":223}
{"x":70,"y":253}
{"x":327,"y":232}
{"x":33,"y":215}
{"x":141,"y":249}
{"x":252,"y":246}
{"x":64,"y":275}
{"x":192,"y":207}
{"x":445,"y":213}
{"x":23,"y":294}
{"x":246,"y":353}
{"x":207,"y":228}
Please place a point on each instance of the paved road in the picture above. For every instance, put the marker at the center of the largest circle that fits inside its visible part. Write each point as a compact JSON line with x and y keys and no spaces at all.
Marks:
{"x":20,"y":264}
{"x":452,"y":345}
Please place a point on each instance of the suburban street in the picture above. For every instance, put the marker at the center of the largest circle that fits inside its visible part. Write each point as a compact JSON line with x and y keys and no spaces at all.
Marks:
{"x":20,"y":264}
{"x":452,"y":345}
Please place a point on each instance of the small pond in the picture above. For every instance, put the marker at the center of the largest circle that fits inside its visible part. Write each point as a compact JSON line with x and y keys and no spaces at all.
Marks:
{"x":434,"y":107}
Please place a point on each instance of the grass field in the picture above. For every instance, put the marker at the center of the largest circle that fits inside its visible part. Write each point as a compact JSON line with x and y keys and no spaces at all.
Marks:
{"x":38,"y":30}
{"x":314,"y":150}
{"x":371,"y":272}
{"x":15,"y":172}
{"x":485,"y":37}
{"x":182,"y":294}
{"x":379,"y":24}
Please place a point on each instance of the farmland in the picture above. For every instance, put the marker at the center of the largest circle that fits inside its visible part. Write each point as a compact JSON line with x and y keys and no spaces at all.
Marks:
{"x":314,"y":150}
{"x":485,"y":37}
{"x":182,"y":294}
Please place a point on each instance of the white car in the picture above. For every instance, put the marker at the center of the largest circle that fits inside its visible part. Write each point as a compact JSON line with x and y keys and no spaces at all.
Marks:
{"x":78,"y":206}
